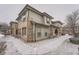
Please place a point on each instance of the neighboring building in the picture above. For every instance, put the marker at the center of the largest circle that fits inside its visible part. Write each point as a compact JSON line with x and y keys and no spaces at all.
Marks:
{"x":57,"y":28}
{"x":3,"y":28}
{"x":14,"y":28}
{"x":33,"y":25}
{"x":68,"y":30}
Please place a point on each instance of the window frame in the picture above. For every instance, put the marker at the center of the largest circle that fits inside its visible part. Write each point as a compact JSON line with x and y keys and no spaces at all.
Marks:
{"x":24,"y":31}
{"x":38,"y":34}
{"x":46,"y":33}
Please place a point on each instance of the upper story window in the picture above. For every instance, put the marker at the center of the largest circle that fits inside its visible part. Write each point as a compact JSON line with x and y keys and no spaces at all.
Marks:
{"x":45,"y":33}
{"x":48,"y":20}
{"x":23,"y":18}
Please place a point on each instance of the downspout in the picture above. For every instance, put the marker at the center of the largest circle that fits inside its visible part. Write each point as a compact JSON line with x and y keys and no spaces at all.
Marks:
{"x":34,"y":32}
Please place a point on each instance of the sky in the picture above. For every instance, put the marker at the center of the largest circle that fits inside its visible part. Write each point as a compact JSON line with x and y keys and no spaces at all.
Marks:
{"x":9,"y":12}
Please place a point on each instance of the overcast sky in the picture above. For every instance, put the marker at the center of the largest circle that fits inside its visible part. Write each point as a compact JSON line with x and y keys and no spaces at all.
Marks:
{"x":10,"y":12}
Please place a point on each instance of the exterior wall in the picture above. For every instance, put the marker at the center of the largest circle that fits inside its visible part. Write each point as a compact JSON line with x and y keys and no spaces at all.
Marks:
{"x":53,"y":29}
{"x":42,"y":30}
{"x":46,"y":19}
{"x":30,"y":31}
{"x":13,"y":29}
{"x":35,"y":17}
{"x":21,"y":24}
{"x":54,"y":34}
{"x":60,"y":31}
{"x":33,"y":32}
{"x":38,"y":19}
{"x":57,"y":27}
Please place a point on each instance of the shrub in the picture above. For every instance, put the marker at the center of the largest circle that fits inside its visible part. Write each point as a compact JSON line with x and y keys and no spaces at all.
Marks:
{"x":2,"y":47}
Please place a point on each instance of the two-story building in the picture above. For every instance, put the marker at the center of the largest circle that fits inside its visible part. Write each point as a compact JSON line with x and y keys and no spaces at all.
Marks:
{"x":32,"y":25}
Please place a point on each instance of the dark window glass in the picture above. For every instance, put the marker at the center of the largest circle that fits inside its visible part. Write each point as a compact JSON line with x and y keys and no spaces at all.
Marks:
{"x":19,"y":31}
{"x":24,"y":18}
{"x":45,"y":33}
{"x":16,"y":32}
{"x":39,"y":34}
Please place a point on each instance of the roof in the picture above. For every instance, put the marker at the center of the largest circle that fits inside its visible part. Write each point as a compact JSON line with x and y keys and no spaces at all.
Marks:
{"x":28,"y":7}
{"x":44,"y":13}
{"x":39,"y":23}
{"x":57,"y":22}
{"x":13,"y":22}
{"x":54,"y":26}
{"x":44,"y":24}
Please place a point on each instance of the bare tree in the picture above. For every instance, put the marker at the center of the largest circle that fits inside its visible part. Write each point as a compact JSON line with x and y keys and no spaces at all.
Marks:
{"x":72,"y":19}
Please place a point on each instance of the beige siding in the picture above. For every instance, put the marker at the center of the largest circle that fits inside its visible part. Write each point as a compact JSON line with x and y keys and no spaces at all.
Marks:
{"x":43,"y":30}
{"x":35,"y":17}
{"x":46,"y":19}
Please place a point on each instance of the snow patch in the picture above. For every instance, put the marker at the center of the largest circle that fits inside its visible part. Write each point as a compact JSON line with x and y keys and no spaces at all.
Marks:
{"x":17,"y":46}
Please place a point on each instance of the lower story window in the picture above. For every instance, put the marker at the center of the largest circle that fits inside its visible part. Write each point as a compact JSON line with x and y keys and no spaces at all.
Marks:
{"x":24,"y":31}
{"x":16,"y":32}
{"x":39,"y":34}
{"x":12,"y":30}
{"x":19,"y":31}
{"x":45,"y":33}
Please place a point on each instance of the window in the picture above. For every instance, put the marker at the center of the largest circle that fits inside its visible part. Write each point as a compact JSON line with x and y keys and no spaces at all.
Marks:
{"x":16,"y":32}
{"x":45,"y":33}
{"x":24,"y":31}
{"x":48,"y":21}
{"x":38,"y":34}
{"x":24,"y":18}
{"x":19,"y":31}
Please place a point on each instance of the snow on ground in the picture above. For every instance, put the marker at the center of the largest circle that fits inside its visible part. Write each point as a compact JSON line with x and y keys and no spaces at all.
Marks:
{"x":50,"y":45}
{"x":66,"y":48}
{"x":16,"y":46}
{"x":1,"y":35}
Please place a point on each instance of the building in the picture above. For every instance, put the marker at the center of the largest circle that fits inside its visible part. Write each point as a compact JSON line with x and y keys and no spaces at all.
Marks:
{"x":4,"y":28}
{"x":68,"y":30}
{"x":57,"y":28}
{"x":13,"y":30}
{"x":32,"y":25}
